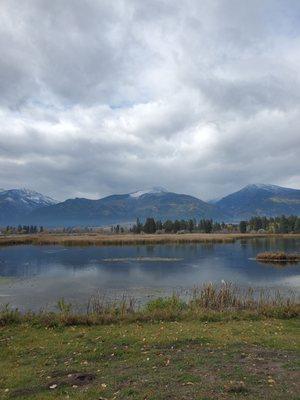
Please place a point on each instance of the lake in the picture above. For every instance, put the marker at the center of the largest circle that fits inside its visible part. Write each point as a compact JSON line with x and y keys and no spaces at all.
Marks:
{"x":34,"y":277}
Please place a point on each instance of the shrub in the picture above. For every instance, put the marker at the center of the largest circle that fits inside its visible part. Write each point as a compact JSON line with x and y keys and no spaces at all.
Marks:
{"x":173,"y":303}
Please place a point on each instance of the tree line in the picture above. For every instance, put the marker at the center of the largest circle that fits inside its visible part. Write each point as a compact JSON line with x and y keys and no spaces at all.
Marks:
{"x":169,"y":226}
{"x":26,"y":229}
{"x":281,"y":224}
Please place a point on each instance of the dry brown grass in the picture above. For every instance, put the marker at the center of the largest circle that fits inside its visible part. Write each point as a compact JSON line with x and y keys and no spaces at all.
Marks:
{"x":278,"y":256}
{"x":129,"y":239}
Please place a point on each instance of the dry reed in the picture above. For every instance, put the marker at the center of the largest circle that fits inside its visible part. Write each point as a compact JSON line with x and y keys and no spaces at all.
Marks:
{"x":278,"y":256}
{"x":126,"y":239}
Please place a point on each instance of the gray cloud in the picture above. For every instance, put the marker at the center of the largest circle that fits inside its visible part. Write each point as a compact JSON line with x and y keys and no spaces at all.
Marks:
{"x":100,"y":97}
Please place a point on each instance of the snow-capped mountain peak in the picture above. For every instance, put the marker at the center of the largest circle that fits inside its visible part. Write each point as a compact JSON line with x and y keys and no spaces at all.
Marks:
{"x":263,"y":186}
{"x":155,"y":189}
{"x":17,"y":204}
{"x":27,"y":196}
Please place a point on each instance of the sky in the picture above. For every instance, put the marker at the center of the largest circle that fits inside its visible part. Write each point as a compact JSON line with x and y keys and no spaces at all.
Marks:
{"x":100,"y":97}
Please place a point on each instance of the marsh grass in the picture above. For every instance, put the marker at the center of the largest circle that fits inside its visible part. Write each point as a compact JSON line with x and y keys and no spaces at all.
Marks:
{"x":126,"y":239}
{"x":208,"y":303}
{"x":278,"y":256}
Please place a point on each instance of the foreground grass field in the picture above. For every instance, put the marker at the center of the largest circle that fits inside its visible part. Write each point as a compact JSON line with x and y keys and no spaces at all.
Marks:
{"x":153,"y":360}
{"x":130,"y":239}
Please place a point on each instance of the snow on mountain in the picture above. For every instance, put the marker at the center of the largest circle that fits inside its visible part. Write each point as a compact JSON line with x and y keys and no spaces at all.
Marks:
{"x":264,"y":186}
{"x":16,"y":204}
{"x":27,"y":196}
{"x":155,"y":189}
{"x":261,"y":199}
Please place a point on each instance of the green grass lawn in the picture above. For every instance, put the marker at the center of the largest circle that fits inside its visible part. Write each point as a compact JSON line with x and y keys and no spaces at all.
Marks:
{"x":163,"y":360}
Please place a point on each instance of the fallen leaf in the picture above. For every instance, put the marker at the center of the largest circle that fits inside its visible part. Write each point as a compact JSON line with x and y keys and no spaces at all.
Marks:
{"x":53,"y":386}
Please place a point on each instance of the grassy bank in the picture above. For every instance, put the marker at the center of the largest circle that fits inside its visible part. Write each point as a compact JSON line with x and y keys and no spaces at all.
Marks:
{"x":222,"y":343}
{"x":154,"y":360}
{"x":129,"y":239}
{"x":205,"y":303}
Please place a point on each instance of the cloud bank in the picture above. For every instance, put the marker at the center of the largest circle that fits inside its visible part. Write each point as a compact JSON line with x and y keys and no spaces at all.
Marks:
{"x":101,"y":97}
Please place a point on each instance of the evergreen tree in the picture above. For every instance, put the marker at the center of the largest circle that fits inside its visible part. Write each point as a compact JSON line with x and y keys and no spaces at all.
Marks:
{"x":283,"y":225}
{"x":137,"y":228}
{"x":243,"y":226}
{"x":297,"y":225}
{"x":150,"y":226}
{"x":191,"y":225}
{"x":216,"y":227}
{"x":159,"y":225}
{"x":208,"y":226}
{"x":168,"y":226}
{"x":176,"y":226}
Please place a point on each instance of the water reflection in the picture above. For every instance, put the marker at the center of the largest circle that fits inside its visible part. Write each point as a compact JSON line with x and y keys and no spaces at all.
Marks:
{"x":39,"y":275}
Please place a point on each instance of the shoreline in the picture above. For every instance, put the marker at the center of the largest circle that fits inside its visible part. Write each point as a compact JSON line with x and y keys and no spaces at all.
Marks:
{"x":133,"y":239}
{"x":209,"y":301}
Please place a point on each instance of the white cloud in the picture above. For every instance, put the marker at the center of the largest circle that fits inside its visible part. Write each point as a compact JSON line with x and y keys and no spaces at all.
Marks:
{"x":101,"y":97}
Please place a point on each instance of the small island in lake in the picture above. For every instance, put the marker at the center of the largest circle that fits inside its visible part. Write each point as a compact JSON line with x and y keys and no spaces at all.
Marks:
{"x":278,"y":256}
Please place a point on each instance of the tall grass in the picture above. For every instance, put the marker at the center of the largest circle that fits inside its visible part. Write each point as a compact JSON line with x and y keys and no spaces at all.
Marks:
{"x":124,"y":239}
{"x":208,"y":302}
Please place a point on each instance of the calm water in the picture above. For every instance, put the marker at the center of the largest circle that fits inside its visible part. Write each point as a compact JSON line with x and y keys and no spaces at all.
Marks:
{"x":32,"y":277}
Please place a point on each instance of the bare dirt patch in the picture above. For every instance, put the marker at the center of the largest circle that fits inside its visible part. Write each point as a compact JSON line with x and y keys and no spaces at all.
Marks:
{"x":73,"y":379}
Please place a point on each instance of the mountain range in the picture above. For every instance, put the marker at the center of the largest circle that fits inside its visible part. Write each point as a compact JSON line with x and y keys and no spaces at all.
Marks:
{"x":17,"y":204}
{"x":22,"y":206}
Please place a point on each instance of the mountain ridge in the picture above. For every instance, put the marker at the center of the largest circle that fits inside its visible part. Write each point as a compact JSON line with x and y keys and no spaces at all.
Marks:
{"x":19,"y":206}
{"x":261,"y":200}
{"x":126,"y":208}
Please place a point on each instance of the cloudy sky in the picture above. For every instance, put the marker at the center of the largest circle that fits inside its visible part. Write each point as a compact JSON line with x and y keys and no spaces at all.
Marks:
{"x":101,"y":96}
